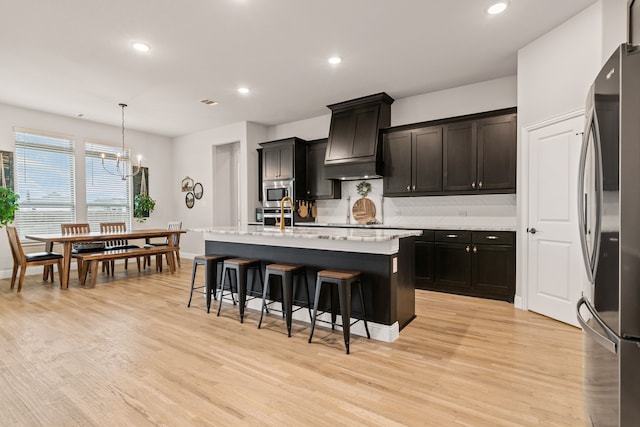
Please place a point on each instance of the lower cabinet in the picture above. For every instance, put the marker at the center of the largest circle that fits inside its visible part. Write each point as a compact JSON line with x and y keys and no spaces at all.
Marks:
{"x":475,"y":263}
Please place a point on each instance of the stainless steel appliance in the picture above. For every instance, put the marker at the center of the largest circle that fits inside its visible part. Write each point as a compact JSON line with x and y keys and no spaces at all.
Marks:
{"x":609,"y":213}
{"x":274,"y":191}
{"x":272,"y":195}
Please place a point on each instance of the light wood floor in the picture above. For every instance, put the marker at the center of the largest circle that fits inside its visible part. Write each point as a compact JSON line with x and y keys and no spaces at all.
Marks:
{"x":130,"y":353}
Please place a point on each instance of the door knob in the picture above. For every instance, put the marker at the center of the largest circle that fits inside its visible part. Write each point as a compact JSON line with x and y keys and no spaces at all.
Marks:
{"x":532,"y":230}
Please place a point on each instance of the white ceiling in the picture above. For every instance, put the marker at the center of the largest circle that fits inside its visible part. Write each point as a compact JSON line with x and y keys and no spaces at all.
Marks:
{"x":73,"y":57}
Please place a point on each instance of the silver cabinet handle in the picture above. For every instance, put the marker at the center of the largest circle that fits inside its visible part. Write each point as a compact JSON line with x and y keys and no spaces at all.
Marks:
{"x":492,"y":237}
{"x":468,"y":248}
{"x":475,"y":249}
{"x":480,"y":184}
{"x":473,"y":184}
{"x":452,"y":236}
{"x":414,"y":188}
{"x":408,"y":188}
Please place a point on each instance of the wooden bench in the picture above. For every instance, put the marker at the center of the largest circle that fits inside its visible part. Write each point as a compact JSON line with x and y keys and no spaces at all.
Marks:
{"x":90,"y":260}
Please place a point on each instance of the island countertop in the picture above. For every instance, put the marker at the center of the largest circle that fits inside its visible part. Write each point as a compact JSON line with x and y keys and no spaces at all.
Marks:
{"x":329,"y":233}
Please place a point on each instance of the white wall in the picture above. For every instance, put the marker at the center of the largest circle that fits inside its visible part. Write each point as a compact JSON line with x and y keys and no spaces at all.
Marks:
{"x":554,"y":75}
{"x":154,"y":149}
{"x":458,"y":101}
{"x":193,"y":156}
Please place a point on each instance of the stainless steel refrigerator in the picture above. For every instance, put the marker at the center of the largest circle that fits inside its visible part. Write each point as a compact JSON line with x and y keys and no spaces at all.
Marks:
{"x":609,"y":210}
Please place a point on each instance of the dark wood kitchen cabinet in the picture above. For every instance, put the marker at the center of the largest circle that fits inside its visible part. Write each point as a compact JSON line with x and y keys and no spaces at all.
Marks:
{"x":413,"y":161}
{"x":425,"y":260}
{"x":318,"y":187}
{"x":459,"y":156}
{"x":277,"y":161}
{"x":281,"y":159}
{"x":462,"y":155}
{"x":497,"y":153}
{"x":493,"y":264}
{"x":453,"y":261}
{"x":478,"y":263}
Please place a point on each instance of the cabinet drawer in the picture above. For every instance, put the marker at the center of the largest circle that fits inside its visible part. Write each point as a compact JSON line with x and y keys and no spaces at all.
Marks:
{"x":427,"y":236}
{"x":452,"y":236}
{"x":493,"y":237}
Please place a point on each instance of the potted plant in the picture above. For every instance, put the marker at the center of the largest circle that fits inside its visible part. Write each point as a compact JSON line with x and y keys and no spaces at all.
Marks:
{"x":8,"y":206}
{"x":143,"y":205}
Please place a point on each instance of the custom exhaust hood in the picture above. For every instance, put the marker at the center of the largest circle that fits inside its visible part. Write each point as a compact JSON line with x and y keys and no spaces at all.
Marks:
{"x":354,"y":150}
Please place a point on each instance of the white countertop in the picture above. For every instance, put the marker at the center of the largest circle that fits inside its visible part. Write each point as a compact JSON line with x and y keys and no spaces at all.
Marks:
{"x":364,"y":234}
{"x":358,"y":240}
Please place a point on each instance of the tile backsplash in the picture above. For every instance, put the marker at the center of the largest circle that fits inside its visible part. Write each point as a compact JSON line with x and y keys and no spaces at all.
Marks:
{"x":419,"y":210}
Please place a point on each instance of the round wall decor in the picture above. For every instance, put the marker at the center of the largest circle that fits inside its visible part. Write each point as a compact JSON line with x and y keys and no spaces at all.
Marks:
{"x":189,"y":199}
{"x":197,"y":191}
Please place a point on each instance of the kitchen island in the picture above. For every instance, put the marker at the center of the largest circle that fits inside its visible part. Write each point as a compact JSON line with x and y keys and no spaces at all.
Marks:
{"x":384,"y":257}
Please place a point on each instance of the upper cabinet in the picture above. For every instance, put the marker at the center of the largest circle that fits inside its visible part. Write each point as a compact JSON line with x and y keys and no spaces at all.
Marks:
{"x":459,"y":158}
{"x":318,"y":187}
{"x":413,"y":161}
{"x":468,"y":155}
{"x":497,"y":153}
{"x":277,"y":160}
{"x":352,"y":148}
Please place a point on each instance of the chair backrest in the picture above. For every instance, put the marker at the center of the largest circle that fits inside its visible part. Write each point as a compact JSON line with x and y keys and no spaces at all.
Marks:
{"x":16,"y":246}
{"x":74,"y":228}
{"x":175,"y":225}
{"x":114,"y":227}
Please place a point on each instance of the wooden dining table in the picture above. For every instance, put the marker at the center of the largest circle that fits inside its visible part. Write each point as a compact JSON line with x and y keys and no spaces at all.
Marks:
{"x":67,"y":240}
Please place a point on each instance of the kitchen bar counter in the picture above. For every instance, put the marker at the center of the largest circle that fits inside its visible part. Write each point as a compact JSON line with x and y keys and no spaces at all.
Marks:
{"x":386,"y":259}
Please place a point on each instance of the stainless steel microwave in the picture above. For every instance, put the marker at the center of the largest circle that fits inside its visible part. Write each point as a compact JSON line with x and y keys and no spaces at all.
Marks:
{"x":274,"y":191}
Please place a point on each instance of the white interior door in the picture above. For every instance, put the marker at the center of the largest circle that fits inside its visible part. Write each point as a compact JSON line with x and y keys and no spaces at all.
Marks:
{"x":555,"y":271}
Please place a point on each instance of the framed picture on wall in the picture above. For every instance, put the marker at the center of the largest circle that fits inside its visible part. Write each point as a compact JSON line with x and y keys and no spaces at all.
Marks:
{"x":6,"y":161}
{"x":186,"y":185}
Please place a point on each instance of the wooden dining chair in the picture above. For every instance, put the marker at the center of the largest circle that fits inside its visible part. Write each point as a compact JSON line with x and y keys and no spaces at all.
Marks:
{"x":116,"y":227}
{"x":22,"y":261}
{"x":81,"y":228}
{"x":171,"y":225}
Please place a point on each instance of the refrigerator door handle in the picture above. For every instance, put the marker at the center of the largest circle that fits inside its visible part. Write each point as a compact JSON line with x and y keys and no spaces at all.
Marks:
{"x":582,"y":220}
{"x":610,"y":342}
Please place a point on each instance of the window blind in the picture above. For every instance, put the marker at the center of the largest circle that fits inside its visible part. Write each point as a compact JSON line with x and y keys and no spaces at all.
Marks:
{"x":108,"y":196}
{"x":44,"y":170}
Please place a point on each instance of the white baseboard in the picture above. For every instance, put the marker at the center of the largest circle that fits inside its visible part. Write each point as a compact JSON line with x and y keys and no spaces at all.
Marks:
{"x":517,"y":302}
{"x":378,"y":331}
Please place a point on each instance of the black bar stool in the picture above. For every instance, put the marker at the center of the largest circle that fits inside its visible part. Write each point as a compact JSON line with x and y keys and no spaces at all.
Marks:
{"x":343,"y":280}
{"x":286,"y":273}
{"x":210,"y":276}
{"x":241,"y":267}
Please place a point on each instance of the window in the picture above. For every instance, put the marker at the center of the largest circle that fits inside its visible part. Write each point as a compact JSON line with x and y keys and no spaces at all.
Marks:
{"x":108,"y":196}
{"x":44,"y":167}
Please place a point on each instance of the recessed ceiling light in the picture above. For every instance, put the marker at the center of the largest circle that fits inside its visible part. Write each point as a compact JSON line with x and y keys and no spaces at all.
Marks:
{"x":497,"y":7}
{"x":243,"y":90}
{"x":335,"y":60}
{"x":141,"y":47}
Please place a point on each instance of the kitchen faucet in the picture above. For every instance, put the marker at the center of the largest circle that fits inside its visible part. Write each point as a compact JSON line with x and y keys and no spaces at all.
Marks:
{"x":284,"y":199}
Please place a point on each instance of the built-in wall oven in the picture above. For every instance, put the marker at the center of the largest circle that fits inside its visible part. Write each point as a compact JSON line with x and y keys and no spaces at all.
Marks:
{"x":272,"y":194}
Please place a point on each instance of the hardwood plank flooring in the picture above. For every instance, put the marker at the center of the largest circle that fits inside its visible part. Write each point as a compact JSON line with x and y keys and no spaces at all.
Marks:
{"x":130,"y":353}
